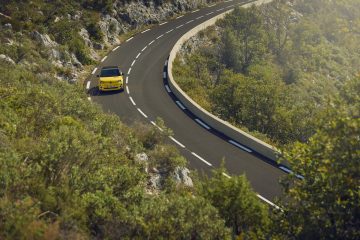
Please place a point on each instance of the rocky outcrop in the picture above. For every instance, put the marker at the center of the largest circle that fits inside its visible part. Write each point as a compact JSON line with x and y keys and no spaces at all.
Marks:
{"x":43,"y":39}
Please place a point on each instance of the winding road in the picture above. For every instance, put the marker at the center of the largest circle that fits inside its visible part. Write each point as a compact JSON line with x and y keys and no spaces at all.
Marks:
{"x":143,"y":59}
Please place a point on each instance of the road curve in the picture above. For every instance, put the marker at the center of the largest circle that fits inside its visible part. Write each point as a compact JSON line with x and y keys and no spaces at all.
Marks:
{"x":146,"y":97}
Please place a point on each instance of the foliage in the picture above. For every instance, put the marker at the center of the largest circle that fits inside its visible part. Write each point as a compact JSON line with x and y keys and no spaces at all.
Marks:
{"x":272,"y":70}
{"x":237,"y":204}
{"x":325,"y":204}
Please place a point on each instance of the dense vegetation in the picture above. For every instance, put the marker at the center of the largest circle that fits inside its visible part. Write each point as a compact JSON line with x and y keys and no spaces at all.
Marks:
{"x":70,"y":171}
{"x":274,"y":70}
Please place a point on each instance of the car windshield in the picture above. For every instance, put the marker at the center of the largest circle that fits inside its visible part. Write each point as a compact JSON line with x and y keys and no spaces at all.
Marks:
{"x":112,"y":72}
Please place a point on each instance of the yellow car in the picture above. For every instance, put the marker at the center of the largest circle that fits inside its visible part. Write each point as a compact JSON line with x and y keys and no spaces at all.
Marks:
{"x":111,"y":79}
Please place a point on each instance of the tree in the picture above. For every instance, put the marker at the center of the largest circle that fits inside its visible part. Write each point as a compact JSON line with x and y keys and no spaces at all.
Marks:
{"x":325,"y":204}
{"x":246,"y":25}
{"x":237,"y":204}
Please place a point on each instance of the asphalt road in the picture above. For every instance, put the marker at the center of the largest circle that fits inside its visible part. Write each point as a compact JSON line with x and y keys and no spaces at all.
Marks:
{"x":146,"y":97}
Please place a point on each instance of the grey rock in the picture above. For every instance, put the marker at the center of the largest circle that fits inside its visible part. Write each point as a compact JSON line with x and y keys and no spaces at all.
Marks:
{"x":155,"y":181}
{"x":43,"y":39}
{"x":6,"y":59}
{"x":8,"y":26}
{"x":75,"y":61}
{"x":85,"y":35}
{"x":57,"y":19}
{"x":181,"y":175}
{"x":142,"y":157}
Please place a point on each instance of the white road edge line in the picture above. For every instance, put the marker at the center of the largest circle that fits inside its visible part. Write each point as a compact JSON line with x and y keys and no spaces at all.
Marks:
{"x":129,"y":39}
{"x":145,"y":30}
{"x":94,"y":71}
{"x":142,"y":113}
{"x":168,"y":89}
{"x":177,"y":142}
{"x":202,"y":123}
{"x":129,"y":71}
{"x":138,"y":55}
{"x":127,"y":90}
{"x":115,"y":48}
{"x":240,"y":146}
{"x":132,"y":101}
{"x":162,"y":23}
{"x":206,"y":162}
{"x":104,"y":58}
{"x":180,"y":105}
{"x":132,"y":64}
{"x":88,"y":85}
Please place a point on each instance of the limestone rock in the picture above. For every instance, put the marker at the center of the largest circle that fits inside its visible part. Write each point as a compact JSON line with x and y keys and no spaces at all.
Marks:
{"x":43,"y":39}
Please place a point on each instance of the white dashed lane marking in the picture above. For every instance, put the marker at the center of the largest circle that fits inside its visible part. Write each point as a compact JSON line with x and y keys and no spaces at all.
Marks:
{"x":115,"y":48}
{"x":170,"y":31}
{"x":127,"y":90}
{"x":179,"y":16}
{"x":104,"y":58}
{"x":144,"y":48}
{"x":88,"y":85}
{"x":153,"y":123}
{"x":138,"y":56}
{"x":146,"y":30}
{"x":177,"y":142}
{"x":129,"y":71}
{"x":162,"y":23}
{"x":94,"y":71}
{"x":127,"y":80}
{"x":129,"y":39}
{"x":199,"y":17}
{"x":180,"y":26}
{"x":142,"y":113}
{"x":132,"y":101}
{"x":200,"y":158}
{"x":151,"y":42}
{"x":160,"y":36}
{"x":132,"y":64}
{"x":196,"y":11}
{"x":189,"y":21}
